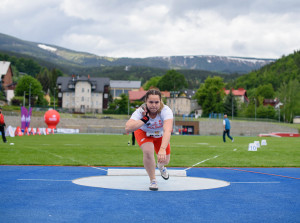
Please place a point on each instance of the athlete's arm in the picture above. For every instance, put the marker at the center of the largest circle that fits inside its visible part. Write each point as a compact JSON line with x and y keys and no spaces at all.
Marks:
{"x":132,"y":125}
{"x":168,"y":126}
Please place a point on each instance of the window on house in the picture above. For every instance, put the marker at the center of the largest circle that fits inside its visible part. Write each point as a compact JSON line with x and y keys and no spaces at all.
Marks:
{"x":82,"y":98}
{"x":82,"y":90}
{"x":118,"y":93}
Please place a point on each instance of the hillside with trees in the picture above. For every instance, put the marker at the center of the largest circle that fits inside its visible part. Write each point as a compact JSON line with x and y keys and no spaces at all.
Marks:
{"x":279,"y":80}
{"x":282,"y":71}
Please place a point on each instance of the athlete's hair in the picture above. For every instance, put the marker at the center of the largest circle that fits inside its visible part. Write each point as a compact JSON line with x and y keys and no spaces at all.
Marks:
{"x":155,"y":91}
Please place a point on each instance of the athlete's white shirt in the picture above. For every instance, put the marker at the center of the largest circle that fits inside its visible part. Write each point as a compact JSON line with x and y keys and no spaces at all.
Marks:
{"x":155,"y":124}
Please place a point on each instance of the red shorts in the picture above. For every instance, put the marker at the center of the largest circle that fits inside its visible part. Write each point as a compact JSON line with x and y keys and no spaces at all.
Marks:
{"x":141,"y":138}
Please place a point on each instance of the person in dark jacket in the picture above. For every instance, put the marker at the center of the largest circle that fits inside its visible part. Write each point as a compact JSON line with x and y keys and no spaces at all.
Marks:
{"x":226,"y":128}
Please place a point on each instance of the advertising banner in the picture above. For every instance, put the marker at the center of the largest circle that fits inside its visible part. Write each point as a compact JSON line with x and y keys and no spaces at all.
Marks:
{"x":25,"y":117}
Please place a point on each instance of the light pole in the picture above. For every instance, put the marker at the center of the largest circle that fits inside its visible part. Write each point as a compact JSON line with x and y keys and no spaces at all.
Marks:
{"x":232,"y":107}
{"x":128,"y":104}
{"x":29,"y":94}
{"x":24,"y":99}
{"x":54,"y":98}
{"x":255,"y":107}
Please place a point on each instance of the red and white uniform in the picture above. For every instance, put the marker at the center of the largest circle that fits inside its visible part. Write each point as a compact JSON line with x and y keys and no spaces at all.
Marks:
{"x":152,"y":131}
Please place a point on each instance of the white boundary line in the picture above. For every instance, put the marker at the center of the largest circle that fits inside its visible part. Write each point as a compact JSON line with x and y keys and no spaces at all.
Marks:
{"x":274,"y":182}
{"x":43,"y":180}
{"x":201,"y":162}
{"x":98,"y":168}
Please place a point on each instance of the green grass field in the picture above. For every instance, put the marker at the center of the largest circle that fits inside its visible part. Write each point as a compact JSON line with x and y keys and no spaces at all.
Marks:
{"x":112,"y":150}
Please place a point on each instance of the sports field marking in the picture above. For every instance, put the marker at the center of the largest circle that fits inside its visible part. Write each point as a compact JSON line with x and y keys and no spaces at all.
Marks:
{"x":42,"y":180}
{"x":98,"y":168}
{"x":271,"y":174}
{"x":202,"y":143}
{"x":142,"y":172}
{"x":140,"y":183}
{"x":275,"y":182}
{"x":53,"y":154}
{"x":201,"y":162}
{"x":185,"y":146}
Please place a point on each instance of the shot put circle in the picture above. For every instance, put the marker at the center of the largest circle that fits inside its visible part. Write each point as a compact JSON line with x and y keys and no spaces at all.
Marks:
{"x":141,"y":183}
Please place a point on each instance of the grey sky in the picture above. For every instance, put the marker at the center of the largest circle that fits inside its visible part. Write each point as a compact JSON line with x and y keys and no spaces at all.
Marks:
{"x":132,"y":28}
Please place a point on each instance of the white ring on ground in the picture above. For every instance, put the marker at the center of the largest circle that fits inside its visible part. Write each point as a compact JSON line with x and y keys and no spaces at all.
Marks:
{"x":141,"y":183}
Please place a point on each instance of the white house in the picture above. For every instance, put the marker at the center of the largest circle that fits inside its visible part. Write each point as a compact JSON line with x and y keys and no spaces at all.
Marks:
{"x":83,"y":94}
{"x":184,"y":104}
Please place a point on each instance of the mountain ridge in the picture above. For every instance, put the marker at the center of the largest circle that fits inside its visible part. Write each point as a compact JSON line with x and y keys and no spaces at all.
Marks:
{"x":72,"y":59}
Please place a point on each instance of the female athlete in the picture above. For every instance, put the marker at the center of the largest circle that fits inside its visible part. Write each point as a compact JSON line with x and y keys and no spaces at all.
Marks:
{"x":152,"y":125}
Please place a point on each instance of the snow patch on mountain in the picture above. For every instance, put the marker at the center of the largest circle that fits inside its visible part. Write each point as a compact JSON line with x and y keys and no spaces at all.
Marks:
{"x":48,"y":48}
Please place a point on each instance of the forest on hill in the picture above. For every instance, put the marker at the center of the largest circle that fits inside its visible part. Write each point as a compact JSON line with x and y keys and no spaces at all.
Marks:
{"x":282,"y":71}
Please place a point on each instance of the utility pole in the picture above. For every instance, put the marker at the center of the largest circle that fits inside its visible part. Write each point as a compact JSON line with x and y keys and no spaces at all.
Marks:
{"x":232,"y":107}
{"x":128,"y":104}
{"x":29,"y":94}
{"x":24,"y":99}
{"x":54,"y":97}
{"x":255,"y":108}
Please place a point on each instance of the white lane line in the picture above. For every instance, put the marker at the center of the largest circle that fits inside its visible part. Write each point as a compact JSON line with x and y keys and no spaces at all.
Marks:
{"x":274,"y":182}
{"x":200,"y":162}
{"x":43,"y":180}
{"x":98,"y":168}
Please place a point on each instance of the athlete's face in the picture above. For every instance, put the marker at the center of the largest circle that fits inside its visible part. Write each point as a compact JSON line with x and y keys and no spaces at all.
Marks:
{"x":153,"y":103}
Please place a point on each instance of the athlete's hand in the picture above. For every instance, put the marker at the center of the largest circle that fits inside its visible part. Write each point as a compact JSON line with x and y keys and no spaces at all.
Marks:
{"x":145,"y":112}
{"x":161,"y":156}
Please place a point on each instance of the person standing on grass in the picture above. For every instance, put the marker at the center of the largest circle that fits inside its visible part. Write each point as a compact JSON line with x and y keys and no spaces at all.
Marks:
{"x":2,"y":126}
{"x":226,"y":128}
{"x":152,"y":125}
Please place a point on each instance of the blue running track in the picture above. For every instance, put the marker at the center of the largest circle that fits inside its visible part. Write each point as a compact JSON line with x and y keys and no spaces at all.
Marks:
{"x":47,"y":194}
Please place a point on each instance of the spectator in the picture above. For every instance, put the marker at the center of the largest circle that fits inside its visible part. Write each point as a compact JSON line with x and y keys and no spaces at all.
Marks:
{"x":2,"y":126}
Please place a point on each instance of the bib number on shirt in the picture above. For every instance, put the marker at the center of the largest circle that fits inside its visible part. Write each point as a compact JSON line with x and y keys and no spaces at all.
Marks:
{"x":156,"y":134}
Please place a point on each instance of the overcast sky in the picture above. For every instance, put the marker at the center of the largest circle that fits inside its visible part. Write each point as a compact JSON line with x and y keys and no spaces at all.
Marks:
{"x":132,"y":28}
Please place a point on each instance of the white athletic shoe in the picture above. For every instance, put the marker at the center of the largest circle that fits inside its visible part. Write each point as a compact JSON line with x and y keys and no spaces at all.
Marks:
{"x":153,"y":185}
{"x":163,"y":171}
{"x":232,"y":140}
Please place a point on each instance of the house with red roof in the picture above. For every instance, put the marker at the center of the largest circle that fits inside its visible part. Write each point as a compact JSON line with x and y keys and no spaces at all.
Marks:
{"x":140,"y":95}
{"x":240,"y":95}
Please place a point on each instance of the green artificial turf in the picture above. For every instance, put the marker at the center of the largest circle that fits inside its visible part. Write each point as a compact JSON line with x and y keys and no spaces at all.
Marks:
{"x":113,"y":150}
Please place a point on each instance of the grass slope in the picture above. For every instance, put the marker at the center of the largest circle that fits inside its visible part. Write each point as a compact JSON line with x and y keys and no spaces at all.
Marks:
{"x":112,"y":150}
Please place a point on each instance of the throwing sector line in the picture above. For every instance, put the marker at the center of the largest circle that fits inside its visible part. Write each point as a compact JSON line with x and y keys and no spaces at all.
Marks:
{"x":201,"y":162}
